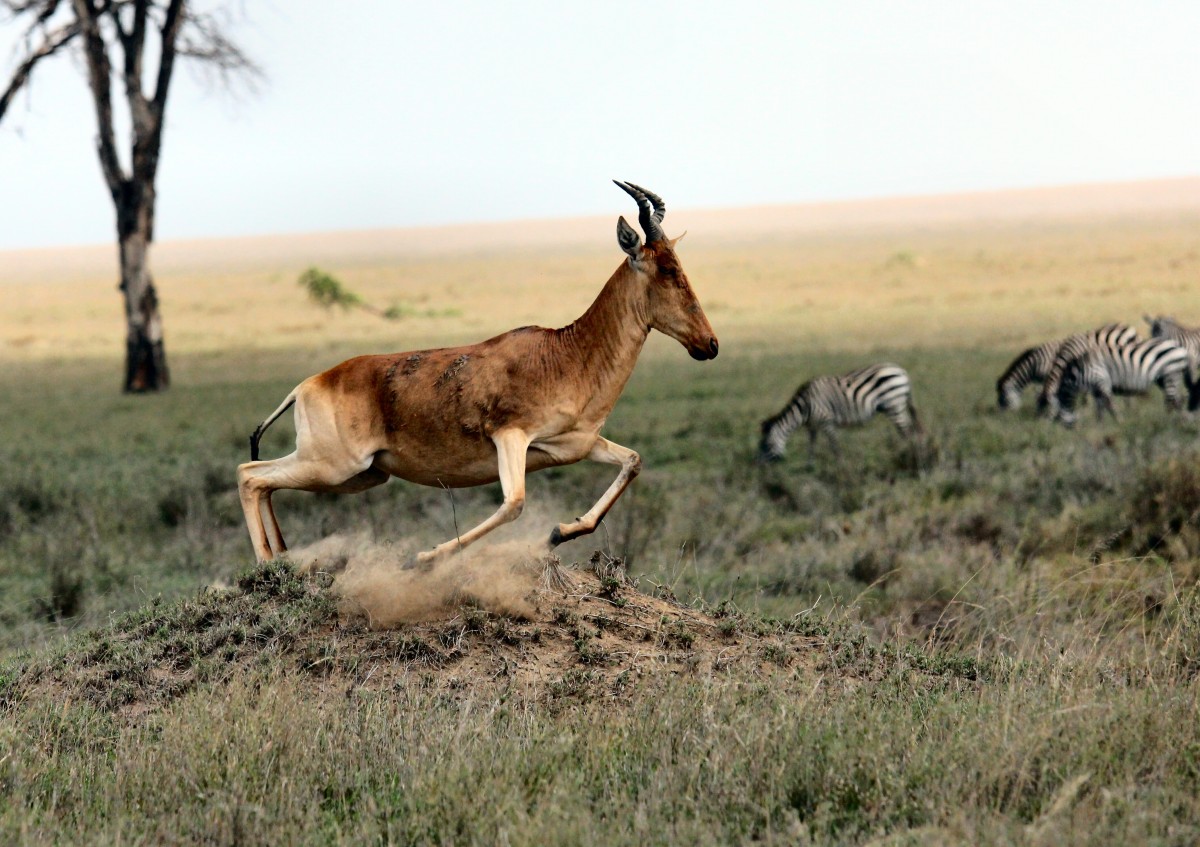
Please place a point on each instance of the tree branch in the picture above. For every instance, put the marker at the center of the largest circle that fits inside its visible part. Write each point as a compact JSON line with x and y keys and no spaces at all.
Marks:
{"x":99,"y":78}
{"x":148,"y":114}
{"x":132,"y":43}
{"x":19,"y":7}
{"x":52,"y":42}
{"x":170,"y":37}
{"x":204,"y":39}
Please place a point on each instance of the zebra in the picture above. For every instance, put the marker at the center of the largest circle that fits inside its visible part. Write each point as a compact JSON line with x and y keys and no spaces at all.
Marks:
{"x":1034,"y":364}
{"x":826,"y":402}
{"x":1186,"y":337}
{"x":1131,"y":369}
{"x":1110,"y":337}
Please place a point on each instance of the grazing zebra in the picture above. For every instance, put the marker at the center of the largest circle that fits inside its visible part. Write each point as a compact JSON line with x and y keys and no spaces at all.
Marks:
{"x":1110,"y":337}
{"x":1186,"y":337}
{"x":1125,"y":370}
{"x":827,"y":402}
{"x":1034,"y":364}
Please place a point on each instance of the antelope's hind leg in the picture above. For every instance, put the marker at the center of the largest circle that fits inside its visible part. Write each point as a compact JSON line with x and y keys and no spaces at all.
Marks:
{"x":258,"y":480}
{"x":274,"y":533}
{"x":369,"y":478}
{"x":610,"y":454}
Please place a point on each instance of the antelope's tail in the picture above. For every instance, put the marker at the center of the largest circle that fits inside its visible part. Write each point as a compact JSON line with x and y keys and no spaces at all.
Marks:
{"x":262,"y":427}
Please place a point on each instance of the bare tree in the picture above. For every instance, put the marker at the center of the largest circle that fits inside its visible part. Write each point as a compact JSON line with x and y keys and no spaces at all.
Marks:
{"x":111,"y":37}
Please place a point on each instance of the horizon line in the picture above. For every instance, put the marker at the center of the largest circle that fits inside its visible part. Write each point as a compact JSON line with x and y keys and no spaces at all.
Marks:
{"x":579,"y":218}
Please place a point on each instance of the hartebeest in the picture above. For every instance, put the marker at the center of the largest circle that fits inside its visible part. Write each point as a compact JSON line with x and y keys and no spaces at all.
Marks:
{"x":529,"y":399}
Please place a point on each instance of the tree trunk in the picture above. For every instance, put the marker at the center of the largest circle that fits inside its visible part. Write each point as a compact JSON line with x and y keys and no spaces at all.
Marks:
{"x":145,"y":356}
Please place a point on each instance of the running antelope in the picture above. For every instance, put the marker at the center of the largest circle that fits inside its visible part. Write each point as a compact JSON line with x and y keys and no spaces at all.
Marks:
{"x":529,"y":399}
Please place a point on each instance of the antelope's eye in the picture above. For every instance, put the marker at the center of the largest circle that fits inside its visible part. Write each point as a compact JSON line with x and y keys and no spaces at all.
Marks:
{"x":670,"y":276}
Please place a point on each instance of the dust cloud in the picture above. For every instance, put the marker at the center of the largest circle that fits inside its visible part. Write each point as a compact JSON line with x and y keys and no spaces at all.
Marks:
{"x":372,"y":578}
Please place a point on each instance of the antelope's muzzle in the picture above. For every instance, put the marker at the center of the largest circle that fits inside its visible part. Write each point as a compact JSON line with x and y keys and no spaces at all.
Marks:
{"x":702,"y":352}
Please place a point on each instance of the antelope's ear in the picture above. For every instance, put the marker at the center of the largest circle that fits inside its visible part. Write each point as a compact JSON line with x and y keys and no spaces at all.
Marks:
{"x":628,"y":238}
{"x":677,"y":239}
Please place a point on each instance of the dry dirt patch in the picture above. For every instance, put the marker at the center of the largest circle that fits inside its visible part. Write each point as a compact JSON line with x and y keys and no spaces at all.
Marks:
{"x":511,"y":617}
{"x":541,"y":631}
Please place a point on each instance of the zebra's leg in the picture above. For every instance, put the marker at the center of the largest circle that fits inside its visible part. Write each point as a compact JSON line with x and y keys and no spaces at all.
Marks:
{"x":908,"y":423}
{"x":1172,"y":387}
{"x":831,"y":435}
{"x":1104,"y":404}
{"x":812,"y":443}
{"x":904,"y":418}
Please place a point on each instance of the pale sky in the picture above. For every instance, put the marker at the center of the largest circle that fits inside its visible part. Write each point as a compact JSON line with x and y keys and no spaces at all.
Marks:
{"x":386,"y":113}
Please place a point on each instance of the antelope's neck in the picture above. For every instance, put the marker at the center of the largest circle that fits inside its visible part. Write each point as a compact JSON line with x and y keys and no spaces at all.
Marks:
{"x":603,"y":344}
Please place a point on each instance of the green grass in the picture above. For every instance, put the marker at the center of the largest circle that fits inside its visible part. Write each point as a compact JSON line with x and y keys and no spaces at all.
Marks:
{"x":1010,"y":639}
{"x":1002,"y":647}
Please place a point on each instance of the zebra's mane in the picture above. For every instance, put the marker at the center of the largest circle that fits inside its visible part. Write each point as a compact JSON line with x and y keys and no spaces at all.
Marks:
{"x":1020,"y":363}
{"x":799,"y":400}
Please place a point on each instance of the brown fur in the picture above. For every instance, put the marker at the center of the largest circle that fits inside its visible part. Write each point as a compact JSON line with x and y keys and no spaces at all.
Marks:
{"x":529,"y":399}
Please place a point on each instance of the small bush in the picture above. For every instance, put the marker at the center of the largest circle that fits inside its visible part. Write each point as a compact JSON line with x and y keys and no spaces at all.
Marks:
{"x":327,"y":291}
{"x":1164,"y":509}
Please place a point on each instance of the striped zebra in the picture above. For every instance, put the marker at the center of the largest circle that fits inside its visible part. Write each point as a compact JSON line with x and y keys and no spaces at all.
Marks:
{"x":1131,"y":369}
{"x":1186,"y":337}
{"x":826,"y":402}
{"x":1110,"y":337}
{"x":1034,"y":364}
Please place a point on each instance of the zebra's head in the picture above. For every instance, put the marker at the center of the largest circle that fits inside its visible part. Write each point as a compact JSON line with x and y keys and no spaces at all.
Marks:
{"x":1162,"y":326}
{"x":776,"y":429}
{"x":1007,"y":395}
{"x":771,"y":446}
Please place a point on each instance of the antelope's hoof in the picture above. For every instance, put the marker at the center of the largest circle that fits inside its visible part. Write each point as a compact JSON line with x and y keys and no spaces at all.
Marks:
{"x":556,"y":537}
{"x":421,"y":561}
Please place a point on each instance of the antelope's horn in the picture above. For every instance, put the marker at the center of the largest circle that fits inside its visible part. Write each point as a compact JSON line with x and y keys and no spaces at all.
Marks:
{"x":660,"y":208}
{"x":651,"y":210}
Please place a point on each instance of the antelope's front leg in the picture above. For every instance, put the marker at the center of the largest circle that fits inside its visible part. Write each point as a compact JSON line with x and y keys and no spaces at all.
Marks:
{"x":610,"y":454}
{"x":511,"y":447}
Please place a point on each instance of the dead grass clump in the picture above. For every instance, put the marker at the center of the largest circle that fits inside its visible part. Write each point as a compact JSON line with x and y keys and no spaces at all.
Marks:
{"x":149,"y":657}
{"x":1164,"y":509}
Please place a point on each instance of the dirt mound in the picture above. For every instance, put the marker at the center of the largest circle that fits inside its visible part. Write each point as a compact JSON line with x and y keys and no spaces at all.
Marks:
{"x":580,"y":631}
{"x":584,"y":629}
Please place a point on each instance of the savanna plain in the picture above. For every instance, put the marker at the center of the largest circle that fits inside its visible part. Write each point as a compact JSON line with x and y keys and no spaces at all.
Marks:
{"x":995,"y":640}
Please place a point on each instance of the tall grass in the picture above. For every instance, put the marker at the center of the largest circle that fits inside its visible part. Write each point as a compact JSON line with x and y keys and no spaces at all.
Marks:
{"x":1060,"y":752}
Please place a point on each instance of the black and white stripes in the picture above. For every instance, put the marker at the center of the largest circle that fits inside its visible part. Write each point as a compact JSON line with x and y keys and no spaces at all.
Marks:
{"x":1108,"y":360}
{"x":1035,"y":364}
{"x":827,"y":402}
{"x":1186,"y":337}
{"x":1130,"y":369}
{"x":1107,"y":338}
